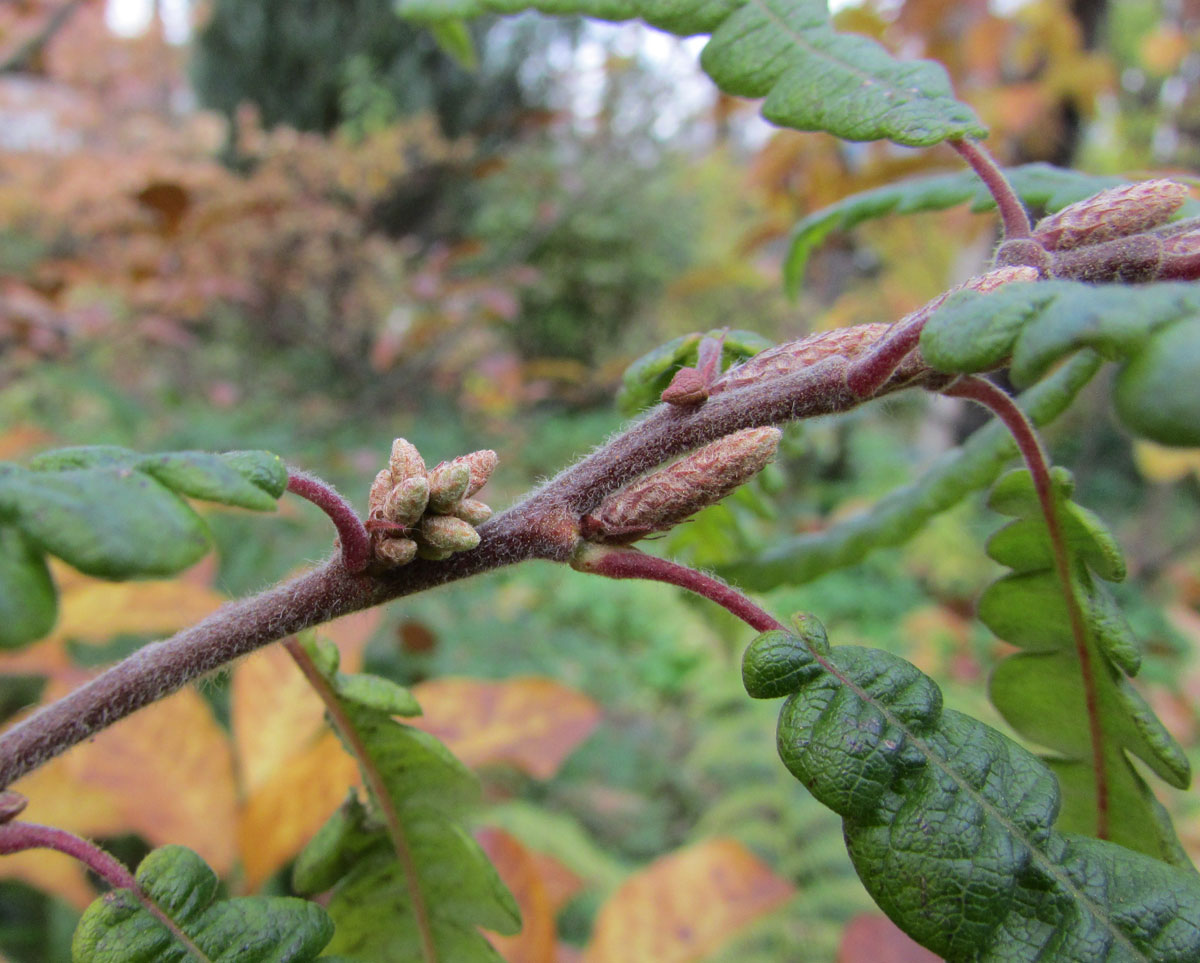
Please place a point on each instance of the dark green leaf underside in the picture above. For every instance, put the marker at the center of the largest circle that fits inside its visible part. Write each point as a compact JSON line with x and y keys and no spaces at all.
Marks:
{"x":950,"y":824}
{"x":786,"y":51}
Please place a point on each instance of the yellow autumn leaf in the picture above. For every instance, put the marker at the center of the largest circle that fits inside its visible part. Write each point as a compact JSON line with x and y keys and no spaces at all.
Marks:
{"x":275,"y":712}
{"x":529,"y":722}
{"x":285,"y":811}
{"x":169,"y":769}
{"x":685,"y":905}
{"x":94,"y":611}
{"x":1158,"y":463}
{"x":57,"y":797}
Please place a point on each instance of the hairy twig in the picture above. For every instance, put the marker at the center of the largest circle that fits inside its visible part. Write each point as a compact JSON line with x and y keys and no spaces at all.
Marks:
{"x":544,"y":525}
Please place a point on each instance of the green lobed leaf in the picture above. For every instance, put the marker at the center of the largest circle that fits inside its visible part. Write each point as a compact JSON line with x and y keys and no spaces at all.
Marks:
{"x":112,"y":513}
{"x":813,"y":78}
{"x":1152,"y":329}
{"x":646,"y":378}
{"x":1043,"y":185}
{"x":27,"y":598}
{"x":899,"y":515}
{"x":117,"y":928}
{"x":950,"y":825}
{"x":355,"y":854}
{"x":1045,"y":691}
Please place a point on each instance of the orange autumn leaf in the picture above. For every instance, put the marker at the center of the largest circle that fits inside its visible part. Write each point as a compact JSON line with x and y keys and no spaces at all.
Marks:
{"x":274,"y":711}
{"x":541,"y":886}
{"x":530,"y":722}
{"x":169,"y":769}
{"x":685,"y":905}
{"x":58,"y":798}
{"x":285,"y":812}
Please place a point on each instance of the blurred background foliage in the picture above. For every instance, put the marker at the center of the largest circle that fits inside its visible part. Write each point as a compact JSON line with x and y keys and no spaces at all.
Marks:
{"x":312,"y":227}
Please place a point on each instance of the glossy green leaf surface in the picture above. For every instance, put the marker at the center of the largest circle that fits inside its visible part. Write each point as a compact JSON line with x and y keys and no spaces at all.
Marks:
{"x":115,"y":514}
{"x":1152,"y":329}
{"x":443,"y":885}
{"x":118,"y":928}
{"x":786,"y":51}
{"x":951,"y":825}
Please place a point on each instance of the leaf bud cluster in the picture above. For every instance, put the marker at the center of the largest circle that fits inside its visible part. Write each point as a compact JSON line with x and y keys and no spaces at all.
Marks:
{"x":415,"y":512}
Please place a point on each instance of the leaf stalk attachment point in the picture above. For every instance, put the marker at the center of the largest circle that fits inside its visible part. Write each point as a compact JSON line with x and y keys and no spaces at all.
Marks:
{"x":631,"y":563}
{"x":353,"y":537}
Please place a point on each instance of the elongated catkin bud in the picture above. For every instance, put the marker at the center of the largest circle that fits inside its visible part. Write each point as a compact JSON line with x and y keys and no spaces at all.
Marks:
{"x":661,"y":500}
{"x":1117,"y":212}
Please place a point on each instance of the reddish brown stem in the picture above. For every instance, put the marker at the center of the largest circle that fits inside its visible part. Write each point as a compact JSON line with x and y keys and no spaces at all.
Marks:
{"x":1013,"y":215}
{"x":1003,"y":407}
{"x":631,"y":563}
{"x":349,"y":734}
{"x":353,"y":536}
{"x":544,"y":525}
{"x":17,"y":836}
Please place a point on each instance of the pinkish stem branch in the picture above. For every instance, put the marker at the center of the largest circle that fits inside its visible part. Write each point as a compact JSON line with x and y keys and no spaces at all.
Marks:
{"x":352,"y":534}
{"x":545,"y":525}
{"x":1013,"y":215}
{"x":17,"y":836}
{"x":631,"y":563}
{"x":1003,"y":407}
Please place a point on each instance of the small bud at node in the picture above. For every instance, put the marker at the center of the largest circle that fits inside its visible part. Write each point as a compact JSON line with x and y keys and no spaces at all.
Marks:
{"x":406,"y":461}
{"x":406,"y":502}
{"x":481,"y":463}
{"x":447,"y":533}
{"x":377,"y":497}
{"x":396,"y":551}
{"x":472,"y":512}
{"x":447,"y":485}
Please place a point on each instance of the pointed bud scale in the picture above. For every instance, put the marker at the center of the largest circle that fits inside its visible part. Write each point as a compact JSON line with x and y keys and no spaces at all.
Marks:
{"x":406,"y":502}
{"x":657,"y":502}
{"x":396,"y":551}
{"x":472,"y":512}
{"x":447,"y":485}
{"x":481,"y":463}
{"x":377,"y":497}
{"x":447,"y":533}
{"x":1117,"y":212}
{"x":406,"y":461}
